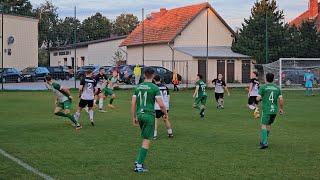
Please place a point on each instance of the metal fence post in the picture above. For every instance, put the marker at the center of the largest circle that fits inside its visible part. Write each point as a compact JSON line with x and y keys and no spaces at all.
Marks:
{"x":2,"y":43}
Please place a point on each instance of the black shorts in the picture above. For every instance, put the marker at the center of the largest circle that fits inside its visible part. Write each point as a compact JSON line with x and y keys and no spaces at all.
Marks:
{"x":98,"y":91}
{"x":160,"y":114}
{"x":219,"y":96}
{"x":83,"y":103}
{"x":253,"y":100}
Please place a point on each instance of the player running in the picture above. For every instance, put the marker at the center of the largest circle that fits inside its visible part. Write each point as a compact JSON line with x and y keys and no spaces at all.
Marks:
{"x":200,"y":95}
{"x":101,"y":78}
{"x":108,"y":90}
{"x":271,"y":98}
{"x":219,"y":87}
{"x":63,"y":101}
{"x":143,"y":114}
{"x":253,"y":93}
{"x":87,"y":91}
{"x":309,"y":78}
{"x":164,"y":91}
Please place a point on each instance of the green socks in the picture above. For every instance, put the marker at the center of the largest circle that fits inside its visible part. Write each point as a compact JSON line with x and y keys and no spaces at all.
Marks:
{"x":264,"y":136}
{"x":111,"y":101}
{"x":142,"y":155}
{"x":67,"y":116}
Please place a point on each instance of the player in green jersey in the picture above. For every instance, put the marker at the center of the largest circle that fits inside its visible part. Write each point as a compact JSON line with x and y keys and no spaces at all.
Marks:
{"x":108,"y":90}
{"x":272,"y":103}
{"x":63,"y":101}
{"x":200,"y":95}
{"x":145,"y":96}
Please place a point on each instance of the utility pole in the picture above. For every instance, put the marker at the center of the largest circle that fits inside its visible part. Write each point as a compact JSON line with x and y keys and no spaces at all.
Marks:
{"x":267,"y":42}
{"x":75,"y":47}
{"x":2,"y":43}
{"x":143,"y":36}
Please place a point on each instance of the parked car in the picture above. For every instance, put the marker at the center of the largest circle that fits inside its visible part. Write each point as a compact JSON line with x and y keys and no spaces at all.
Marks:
{"x":165,"y":74}
{"x":10,"y":75}
{"x":59,"y":72}
{"x":34,"y":73}
{"x":82,"y":70}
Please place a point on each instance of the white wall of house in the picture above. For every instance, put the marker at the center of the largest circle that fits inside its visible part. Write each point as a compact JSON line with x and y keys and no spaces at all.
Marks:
{"x":58,"y":59}
{"x":24,"y":50}
{"x":103,"y":53}
{"x":195,"y":33}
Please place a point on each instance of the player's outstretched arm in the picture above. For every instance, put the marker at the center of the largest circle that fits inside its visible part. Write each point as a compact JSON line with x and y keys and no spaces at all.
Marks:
{"x":133,"y":111}
{"x":80,"y":90}
{"x":162,"y":106}
{"x":196,"y":91}
{"x":227,"y":89}
{"x":281,"y":104}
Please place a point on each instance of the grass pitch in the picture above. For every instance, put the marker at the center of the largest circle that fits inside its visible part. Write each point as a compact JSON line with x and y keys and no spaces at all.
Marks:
{"x":223,"y":146}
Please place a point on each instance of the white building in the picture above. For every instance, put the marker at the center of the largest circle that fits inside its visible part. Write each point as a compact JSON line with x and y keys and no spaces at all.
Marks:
{"x":177,"y":39}
{"x":98,"y":52}
{"x":20,"y":41}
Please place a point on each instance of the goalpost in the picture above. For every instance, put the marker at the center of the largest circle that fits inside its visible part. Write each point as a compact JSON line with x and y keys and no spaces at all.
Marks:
{"x":290,"y":72}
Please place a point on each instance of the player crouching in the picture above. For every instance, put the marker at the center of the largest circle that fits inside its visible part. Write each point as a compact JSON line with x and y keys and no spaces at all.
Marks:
{"x":271,"y":98}
{"x":164,"y":91}
{"x":219,"y":87}
{"x":63,"y":102}
{"x":253,"y":93}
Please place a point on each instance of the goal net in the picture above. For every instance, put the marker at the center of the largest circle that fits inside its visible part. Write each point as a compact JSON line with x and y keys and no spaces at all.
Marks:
{"x":291,"y":72}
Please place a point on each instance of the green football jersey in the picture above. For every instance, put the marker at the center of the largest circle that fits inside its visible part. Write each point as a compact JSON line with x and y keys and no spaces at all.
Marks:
{"x":146,"y":94}
{"x":270,"y":94}
{"x":61,"y":96}
{"x":202,"y":88}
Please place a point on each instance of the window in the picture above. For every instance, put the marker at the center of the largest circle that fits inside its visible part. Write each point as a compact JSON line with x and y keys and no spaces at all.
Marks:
{"x":82,"y":61}
{"x":61,"y":53}
{"x":55,"y":54}
{"x":65,"y":61}
{"x":67,"y":52}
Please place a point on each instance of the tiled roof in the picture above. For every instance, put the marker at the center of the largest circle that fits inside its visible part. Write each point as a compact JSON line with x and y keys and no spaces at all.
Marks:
{"x":164,"y":26}
{"x":306,"y":16}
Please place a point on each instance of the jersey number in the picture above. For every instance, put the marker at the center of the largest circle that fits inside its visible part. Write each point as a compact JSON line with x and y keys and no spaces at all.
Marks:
{"x":90,"y":87}
{"x":143,"y":99}
{"x":271,"y":97}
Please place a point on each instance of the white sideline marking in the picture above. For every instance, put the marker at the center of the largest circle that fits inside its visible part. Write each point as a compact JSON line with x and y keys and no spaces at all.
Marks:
{"x":26,"y":166}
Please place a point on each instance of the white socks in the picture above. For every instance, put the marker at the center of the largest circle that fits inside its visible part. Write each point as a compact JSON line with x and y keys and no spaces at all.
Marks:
{"x":252,"y":107}
{"x":169,"y":131}
{"x":100,"y":103}
{"x":91,"y":115}
{"x":155,"y":134}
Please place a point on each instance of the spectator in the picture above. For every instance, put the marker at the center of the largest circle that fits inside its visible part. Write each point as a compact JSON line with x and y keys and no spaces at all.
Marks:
{"x":175,"y":80}
{"x":137,"y":74}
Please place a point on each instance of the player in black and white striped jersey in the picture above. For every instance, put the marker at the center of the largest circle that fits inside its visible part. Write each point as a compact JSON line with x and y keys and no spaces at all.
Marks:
{"x":159,"y":114}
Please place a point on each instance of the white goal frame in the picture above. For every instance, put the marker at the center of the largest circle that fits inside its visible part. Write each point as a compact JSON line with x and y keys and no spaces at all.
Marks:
{"x":292,"y":59}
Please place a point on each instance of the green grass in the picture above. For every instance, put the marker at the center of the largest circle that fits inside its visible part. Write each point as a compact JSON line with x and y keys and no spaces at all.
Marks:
{"x":223,"y":146}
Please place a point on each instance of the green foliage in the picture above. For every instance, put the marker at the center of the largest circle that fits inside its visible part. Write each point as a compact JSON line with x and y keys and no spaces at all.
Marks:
{"x":43,"y":58}
{"x":124,"y":24}
{"x":95,"y":27}
{"x":18,"y":7}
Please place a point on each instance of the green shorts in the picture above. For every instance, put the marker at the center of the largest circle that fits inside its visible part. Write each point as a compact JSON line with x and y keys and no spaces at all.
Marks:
{"x":65,"y":104}
{"x":108,"y":92}
{"x":268,"y":119}
{"x":201,"y":100}
{"x":146,"y":122}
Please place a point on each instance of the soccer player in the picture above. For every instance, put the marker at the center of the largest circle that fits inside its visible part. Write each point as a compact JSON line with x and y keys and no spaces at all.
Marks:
{"x":253,"y":93}
{"x":164,"y":91}
{"x":271,"y":98}
{"x":143,"y":114}
{"x":309,"y":78}
{"x":87,"y":91}
{"x":63,"y":101}
{"x":108,"y":90}
{"x":101,"y":78}
{"x":200,"y":95}
{"x":219,"y":87}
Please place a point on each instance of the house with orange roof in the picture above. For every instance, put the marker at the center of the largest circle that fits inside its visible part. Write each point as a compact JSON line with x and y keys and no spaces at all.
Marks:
{"x":177,"y":39}
{"x":312,"y":13}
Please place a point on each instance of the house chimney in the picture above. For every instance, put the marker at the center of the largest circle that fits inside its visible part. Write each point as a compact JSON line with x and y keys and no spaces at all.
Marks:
{"x":163,"y":11}
{"x":313,"y":9}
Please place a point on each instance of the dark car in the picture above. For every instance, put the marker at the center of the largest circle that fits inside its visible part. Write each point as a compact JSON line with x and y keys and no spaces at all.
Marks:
{"x":10,"y":75}
{"x":34,"y":73}
{"x":165,"y":74}
{"x":59,"y":72}
{"x":126,"y":74}
{"x":82,"y":70}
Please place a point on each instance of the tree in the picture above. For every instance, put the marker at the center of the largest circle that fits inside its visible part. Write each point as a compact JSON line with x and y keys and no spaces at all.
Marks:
{"x":65,"y":30}
{"x":48,"y":20}
{"x":265,"y":22}
{"x":308,"y":46}
{"x":19,"y":7}
{"x":124,"y":24}
{"x":96,"y":27}
{"x":118,"y":58}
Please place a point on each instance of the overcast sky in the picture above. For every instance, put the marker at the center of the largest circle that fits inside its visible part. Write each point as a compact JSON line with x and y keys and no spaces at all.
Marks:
{"x":233,"y":11}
